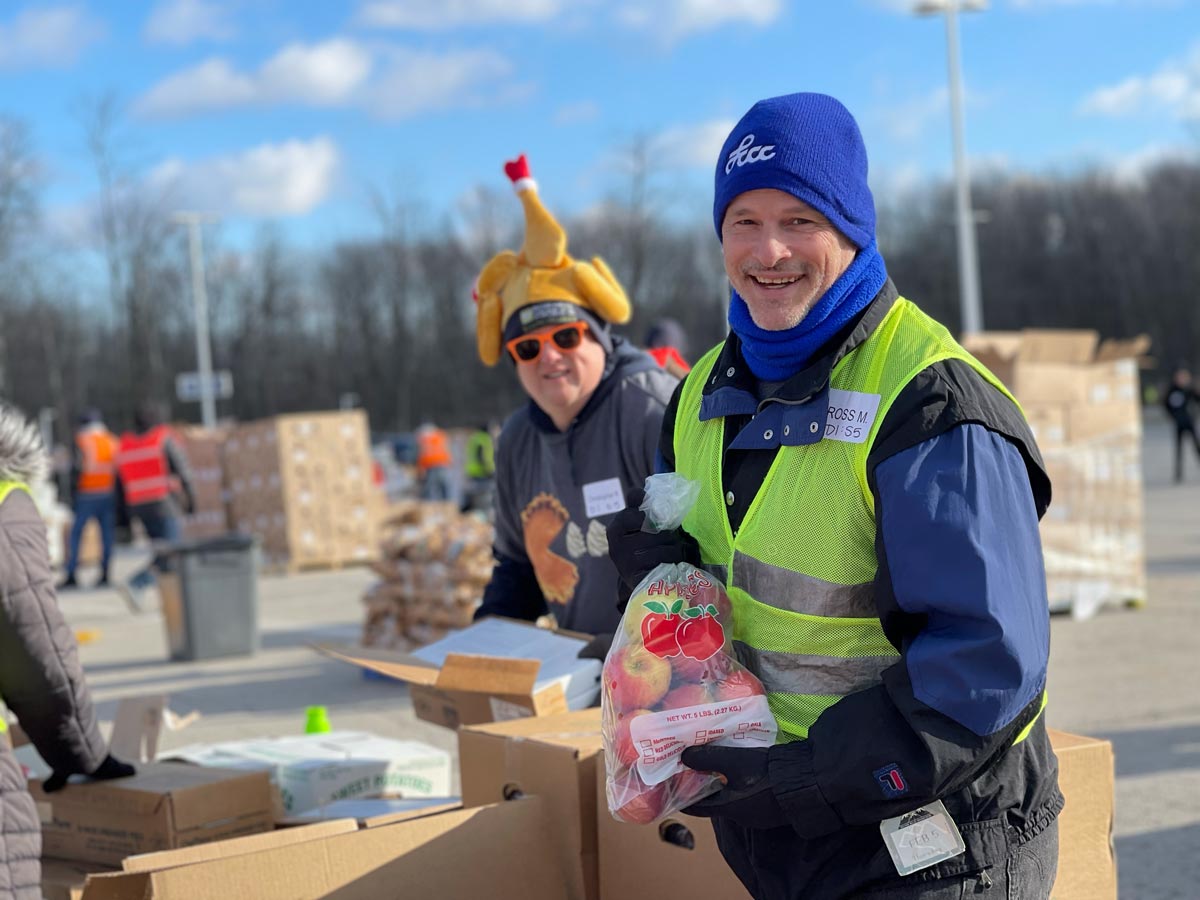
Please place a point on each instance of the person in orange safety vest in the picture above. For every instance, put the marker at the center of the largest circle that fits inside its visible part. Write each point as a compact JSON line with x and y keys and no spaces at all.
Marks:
{"x":93,"y":483}
{"x":155,"y":478}
{"x":433,"y":462}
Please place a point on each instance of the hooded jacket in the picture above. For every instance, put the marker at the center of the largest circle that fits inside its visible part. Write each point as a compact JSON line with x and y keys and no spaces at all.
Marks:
{"x":556,"y":492}
{"x":41,"y":679}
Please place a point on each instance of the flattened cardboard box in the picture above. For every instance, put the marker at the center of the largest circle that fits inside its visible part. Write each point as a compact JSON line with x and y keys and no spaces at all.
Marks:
{"x":1087,"y":863}
{"x":469,"y":689}
{"x":677,"y":857}
{"x":497,"y":852}
{"x":553,"y":757}
{"x":163,"y":806}
{"x":251,"y":843}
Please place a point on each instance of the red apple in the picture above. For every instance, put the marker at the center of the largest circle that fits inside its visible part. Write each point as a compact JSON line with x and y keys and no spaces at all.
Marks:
{"x":645,"y":807}
{"x":687,"y":695}
{"x":738,"y":684}
{"x":626,"y":751}
{"x":689,"y":671}
{"x":635,"y":678}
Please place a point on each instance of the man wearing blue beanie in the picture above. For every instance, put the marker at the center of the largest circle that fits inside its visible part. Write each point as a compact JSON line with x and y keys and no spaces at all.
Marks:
{"x":870,"y":494}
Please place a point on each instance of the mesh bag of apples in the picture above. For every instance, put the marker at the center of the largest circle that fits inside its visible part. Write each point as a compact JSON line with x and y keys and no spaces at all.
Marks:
{"x":671,"y":681}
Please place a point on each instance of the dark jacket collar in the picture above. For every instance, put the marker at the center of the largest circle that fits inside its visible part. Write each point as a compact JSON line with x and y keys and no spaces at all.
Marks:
{"x":732,"y":388}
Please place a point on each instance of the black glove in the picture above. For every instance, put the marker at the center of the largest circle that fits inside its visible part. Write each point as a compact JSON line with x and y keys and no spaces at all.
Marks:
{"x":635,"y":552}
{"x":597,"y":647}
{"x":109,"y":769}
{"x":747,"y":797}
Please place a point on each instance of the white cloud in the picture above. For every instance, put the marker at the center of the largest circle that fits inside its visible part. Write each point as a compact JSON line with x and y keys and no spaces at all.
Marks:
{"x":907,"y":121}
{"x":309,"y":74}
{"x":287,"y":179}
{"x":47,"y":37}
{"x":422,"y":15}
{"x":185,"y":21}
{"x":1174,"y":88}
{"x":577,"y":113}
{"x":416,"y":81}
{"x":1133,"y":167}
{"x":692,"y":146}
{"x":675,"y":19}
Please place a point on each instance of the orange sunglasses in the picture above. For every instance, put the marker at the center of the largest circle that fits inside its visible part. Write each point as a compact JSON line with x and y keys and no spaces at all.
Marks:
{"x":528,"y":347}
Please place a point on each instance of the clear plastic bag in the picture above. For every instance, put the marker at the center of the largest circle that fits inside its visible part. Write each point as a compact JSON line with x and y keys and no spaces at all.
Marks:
{"x":671,"y":680}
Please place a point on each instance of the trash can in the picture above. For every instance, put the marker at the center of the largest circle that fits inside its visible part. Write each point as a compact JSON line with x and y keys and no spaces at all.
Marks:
{"x":210,"y":597}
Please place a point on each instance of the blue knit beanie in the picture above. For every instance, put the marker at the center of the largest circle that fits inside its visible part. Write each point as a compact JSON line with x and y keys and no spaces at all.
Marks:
{"x":807,"y":145}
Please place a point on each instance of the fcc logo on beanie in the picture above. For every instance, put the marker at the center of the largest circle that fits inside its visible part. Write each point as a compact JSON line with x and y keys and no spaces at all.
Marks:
{"x":748,"y":152}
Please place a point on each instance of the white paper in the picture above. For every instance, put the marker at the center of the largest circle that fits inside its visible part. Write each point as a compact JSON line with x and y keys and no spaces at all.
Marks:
{"x":603,"y":497}
{"x":850,"y":416}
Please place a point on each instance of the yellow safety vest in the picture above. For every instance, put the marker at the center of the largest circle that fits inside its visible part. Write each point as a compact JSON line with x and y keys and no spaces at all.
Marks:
{"x":800,"y":571}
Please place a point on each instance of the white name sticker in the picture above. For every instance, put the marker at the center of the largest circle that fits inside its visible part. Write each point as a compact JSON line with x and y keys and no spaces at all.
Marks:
{"x":603,"y":497}
{"x":851,"y":415}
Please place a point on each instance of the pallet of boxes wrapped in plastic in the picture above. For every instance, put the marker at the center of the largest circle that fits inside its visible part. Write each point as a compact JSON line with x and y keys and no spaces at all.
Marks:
{"x":1082,"y":400}
{"x":434,"y":564}
{"x":302,"y":485}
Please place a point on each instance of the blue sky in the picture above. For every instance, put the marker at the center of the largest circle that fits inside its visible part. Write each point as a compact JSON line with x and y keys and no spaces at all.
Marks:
{"x":290,"y":112}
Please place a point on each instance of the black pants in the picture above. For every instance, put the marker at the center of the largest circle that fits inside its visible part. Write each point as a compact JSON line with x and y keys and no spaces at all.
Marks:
{"x":1182,"y":430}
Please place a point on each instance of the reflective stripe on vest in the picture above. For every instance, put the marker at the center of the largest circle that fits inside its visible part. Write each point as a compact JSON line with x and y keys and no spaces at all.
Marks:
{"x":98,"y":449}
{"x":801,"y":569}
{"x":142,"y":464}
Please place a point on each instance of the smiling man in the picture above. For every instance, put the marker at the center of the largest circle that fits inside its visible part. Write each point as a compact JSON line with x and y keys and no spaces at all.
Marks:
{"x":565,"y":461}
{"x":871,"y":494}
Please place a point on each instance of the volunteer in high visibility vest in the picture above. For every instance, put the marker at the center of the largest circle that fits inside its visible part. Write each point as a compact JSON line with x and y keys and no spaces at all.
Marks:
{"x":871,"y":496}
{"x":480,"y":469}
{"x":41,"y":680}
{"x":433,"y":462}
{"x":155,"y":479}
{"x":93,"y":476}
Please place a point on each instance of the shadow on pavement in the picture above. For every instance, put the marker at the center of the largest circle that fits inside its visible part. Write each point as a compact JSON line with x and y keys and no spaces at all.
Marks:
{"x":1159,"y":865}
{"x":1151,"y":750}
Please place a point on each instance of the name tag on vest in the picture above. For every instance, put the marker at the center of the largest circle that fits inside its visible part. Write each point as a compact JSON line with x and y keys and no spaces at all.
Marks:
{"x":851,"y":415}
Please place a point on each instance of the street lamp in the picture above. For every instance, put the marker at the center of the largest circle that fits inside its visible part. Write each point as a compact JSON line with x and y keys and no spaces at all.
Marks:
{"x":968,"y":256}
{"x":208,"y":403}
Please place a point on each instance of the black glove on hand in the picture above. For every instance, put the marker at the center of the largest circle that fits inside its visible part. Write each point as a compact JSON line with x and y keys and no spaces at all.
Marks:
{"x":635,"y":552}
{"x":109,"y":769}
{"x":747,"y":797}
{"x":597,"y":647}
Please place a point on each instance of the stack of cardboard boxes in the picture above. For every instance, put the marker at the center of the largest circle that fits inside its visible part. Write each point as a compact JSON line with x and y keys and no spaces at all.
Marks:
{"x":434,"y":566}
{"x":302,"y":485}
{"x":202,"y":447}
{"x":1082,"y":399}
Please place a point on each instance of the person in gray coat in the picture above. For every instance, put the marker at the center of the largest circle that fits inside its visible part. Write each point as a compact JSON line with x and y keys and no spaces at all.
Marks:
{"x":41,"y":679}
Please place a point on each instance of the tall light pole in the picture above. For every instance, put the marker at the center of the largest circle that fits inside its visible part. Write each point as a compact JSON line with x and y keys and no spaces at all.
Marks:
{"x":970,"y":300}
{"x":208,"y":403}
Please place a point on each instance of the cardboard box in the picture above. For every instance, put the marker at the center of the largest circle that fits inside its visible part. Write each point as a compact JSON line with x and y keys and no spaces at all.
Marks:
{"x":63,"y":879}
{"x":163,"y":806}
{"x":454,"y":688}
{"x":677,"y":857}
{"x":496,"y":852}
{"x":1087,"y":863}
{"x":371,"y":812}
{"x":552,"y":757}
{"x":254,"y":843}
{"x":314,"y":770}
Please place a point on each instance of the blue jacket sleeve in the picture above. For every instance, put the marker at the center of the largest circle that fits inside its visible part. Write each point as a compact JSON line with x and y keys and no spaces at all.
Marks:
{"x":961,"y":591}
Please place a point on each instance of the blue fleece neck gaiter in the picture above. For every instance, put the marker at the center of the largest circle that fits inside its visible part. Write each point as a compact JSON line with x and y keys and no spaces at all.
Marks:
{"x":778,"y":355}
